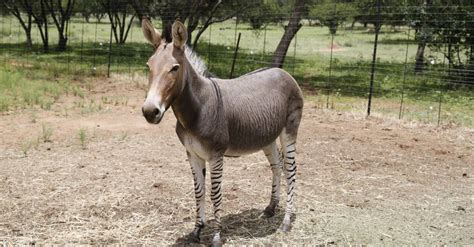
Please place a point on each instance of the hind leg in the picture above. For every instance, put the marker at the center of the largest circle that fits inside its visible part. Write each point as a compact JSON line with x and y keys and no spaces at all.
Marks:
{"x":288,"y":145}
{"x":274,"y":158}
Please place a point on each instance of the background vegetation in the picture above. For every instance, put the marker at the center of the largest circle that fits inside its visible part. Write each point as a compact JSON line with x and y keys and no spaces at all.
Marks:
{"x":423,"y":69}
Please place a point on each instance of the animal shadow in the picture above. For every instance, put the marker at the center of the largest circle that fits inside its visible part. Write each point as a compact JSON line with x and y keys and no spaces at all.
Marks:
{"x":248,"y":223}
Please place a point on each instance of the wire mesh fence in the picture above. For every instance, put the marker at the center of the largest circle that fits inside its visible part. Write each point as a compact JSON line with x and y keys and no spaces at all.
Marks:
{"x":331,"y":56}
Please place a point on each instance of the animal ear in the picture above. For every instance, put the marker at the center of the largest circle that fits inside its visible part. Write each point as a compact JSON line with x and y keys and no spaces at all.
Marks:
{"x":180,"y":34}
{"x":150,"y":33}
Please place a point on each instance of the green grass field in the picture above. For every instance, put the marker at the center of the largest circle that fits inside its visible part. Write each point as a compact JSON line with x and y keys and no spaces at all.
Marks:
{"x":341,"y":84}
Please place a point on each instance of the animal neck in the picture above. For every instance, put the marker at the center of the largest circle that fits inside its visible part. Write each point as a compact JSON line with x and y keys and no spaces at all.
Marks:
{"x":187,"y":106}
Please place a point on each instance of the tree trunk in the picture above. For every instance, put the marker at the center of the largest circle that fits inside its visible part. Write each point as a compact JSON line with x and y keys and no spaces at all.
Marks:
{"x":40,"y":21}
{"x":29,"y":43}
{"x":450,"y":55}
{"x":114,"y":23}
{"x":120,"y":28}
{"x":290,"y":32}
{"x":25,"y":24}
{"x":420,"y":53}
{"x":420,"y":57}
{"x":192,"y":24}
{"x":198,"y":35}
{"x":60,"y":16}
{"x":62,"y":43}
{"x":44,"y":38}
{"x":128,"y":28}
{"x":471,"y":57}
{"x":99,"y":17}
{"x":333,"y":25}
{"x":470,"y":41}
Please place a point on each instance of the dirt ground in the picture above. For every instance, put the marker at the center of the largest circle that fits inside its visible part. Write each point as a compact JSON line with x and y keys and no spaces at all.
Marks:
{"x":360,"y":181}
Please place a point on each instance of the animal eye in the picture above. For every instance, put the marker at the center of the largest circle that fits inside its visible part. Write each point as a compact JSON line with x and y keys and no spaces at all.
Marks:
{"x":175,"y":68}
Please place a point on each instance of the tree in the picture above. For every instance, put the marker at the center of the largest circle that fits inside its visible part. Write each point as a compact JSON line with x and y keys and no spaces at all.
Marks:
{"x":61,"y":16}
{"x":36,"y":13}
{"x":452,"y":34}
{"x":263,"y":13}
{"x":332,"y":14}
{"x":214,"y":12}
{"x":141,"y":7}
{"x":392,"y":12}
{"x":293,"y":27}
{"x":41,"y":20}
{"x":192,"y":13}
{"x":118,"y":13}
{"x":90,"y":8}
{"x":17,"y":8}
{"x":423,"y":34}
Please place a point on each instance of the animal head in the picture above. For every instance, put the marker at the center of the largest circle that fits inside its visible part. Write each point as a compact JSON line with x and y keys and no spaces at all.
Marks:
{"x":166,"y":67}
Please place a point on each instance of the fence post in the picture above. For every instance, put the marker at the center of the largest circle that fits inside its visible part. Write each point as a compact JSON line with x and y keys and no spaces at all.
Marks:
{"x":129,"y":59}
{"x":404,"y":76}
{"x":66,"y":48}
{"x":94,"y":68}
{"x":82,"y":34}
{"x":3,"y":31}
{"x":27,"y":49}
{"x":110,"y":52}
{"x":264,"y":39}
{"x":294,"y":53}
{"x":439,"y":105}
{"x":235,"y":29}
{"x":374,"y":58}
{"x":330,"y":65}
{"x":18,"y":32}
{"x":235,"y":57}
{"x":209,"y":48}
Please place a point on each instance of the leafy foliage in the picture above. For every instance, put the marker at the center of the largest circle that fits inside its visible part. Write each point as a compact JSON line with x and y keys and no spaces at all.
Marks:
{"x":332,"y":13}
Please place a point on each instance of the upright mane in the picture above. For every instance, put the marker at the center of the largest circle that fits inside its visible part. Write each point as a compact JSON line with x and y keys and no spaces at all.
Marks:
{"x":197,"y":63}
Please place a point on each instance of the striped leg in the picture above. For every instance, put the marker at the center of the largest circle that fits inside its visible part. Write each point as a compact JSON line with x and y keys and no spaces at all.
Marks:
{"x":216,"y":166}
{"x":198,"y":167}
{"x":289,"y":151}
{"x":274,"y":158}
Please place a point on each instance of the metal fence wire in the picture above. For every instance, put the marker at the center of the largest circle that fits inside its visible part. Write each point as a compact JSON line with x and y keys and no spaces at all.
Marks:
{"x":413,"y":62}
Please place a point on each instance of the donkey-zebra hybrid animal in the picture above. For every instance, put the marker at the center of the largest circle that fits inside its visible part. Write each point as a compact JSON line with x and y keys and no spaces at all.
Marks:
{"x":217,"y":118}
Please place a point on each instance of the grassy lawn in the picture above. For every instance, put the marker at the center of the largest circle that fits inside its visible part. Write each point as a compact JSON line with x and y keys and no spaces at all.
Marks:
{"x":341,"y":83}
{"x":24,"y":88}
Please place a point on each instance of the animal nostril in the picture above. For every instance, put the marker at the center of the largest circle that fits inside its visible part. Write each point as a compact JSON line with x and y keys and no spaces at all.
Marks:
{"x":156,"y":111}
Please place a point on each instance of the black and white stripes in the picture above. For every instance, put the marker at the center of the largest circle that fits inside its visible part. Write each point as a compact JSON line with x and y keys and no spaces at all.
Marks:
{"x":216,"y":193}
{"x":274,"y":158}
{"x":198,"y":168}
{"x":289,"y":170}
{"x":278,"y":161}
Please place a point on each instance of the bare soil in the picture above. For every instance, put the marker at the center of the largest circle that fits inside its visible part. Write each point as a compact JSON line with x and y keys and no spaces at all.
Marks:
{"x":360,"y":181}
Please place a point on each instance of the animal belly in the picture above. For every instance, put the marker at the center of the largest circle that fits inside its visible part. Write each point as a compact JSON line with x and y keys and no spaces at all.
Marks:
{"x":245,"y":141}
{"x":237,"y":153}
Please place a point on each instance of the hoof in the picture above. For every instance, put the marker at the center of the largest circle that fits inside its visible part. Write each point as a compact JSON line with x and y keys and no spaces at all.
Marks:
{"x":269,"y":212}
{"x":193,"y":238}
{"x":216,"y":240}
{"x":285,"y":227}
{"x":216,"y":243}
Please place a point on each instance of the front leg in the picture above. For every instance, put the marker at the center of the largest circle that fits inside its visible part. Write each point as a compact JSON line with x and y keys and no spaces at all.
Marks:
{"x":216,"y":166}
{"x":198,"y":167}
